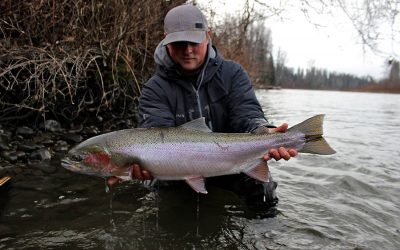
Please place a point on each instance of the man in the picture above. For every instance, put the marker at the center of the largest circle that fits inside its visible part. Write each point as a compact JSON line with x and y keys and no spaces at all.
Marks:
{"x":192,"y":80}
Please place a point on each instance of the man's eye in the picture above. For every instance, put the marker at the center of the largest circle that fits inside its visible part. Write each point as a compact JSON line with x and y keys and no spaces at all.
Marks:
{"x":184,"y":44}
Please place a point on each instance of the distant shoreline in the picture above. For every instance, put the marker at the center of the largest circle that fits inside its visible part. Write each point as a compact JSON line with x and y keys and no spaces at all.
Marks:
{"x":377,"y":88}
{"x":373,"y":88}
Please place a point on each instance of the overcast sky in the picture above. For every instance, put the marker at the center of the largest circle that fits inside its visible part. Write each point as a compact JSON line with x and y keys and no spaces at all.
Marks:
{"x":333,"y":44}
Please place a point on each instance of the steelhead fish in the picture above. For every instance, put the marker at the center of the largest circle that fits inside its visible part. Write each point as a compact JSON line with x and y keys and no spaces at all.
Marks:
{"x":190,"y":152}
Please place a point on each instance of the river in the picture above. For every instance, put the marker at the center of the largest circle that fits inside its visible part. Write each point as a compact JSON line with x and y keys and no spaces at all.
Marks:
{"x":349,"y":200}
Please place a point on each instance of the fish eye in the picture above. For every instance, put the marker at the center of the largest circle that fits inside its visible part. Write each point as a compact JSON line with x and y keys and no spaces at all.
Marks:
{"x":77,"y":157}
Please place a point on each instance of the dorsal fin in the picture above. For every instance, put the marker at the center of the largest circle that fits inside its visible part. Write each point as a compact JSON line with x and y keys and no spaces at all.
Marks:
{"x":198,"y":124}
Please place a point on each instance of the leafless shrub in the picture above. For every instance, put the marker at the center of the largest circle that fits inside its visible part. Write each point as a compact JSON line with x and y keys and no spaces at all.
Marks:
{"x":70,"y":60}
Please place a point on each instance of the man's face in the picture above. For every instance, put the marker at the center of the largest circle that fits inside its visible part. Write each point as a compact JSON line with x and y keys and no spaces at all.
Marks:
{"x":190,"y":56}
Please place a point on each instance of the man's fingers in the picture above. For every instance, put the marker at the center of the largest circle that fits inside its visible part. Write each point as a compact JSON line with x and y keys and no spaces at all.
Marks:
{"x":274,"y":154}
{"x":280,"y":153}
{"x":266,"y":157}
{"x":281,"y":129}
{"x":146,"y":175}
{"x":137,"y":172}
{"x":292,"y":152}
{"x":284,"y":153}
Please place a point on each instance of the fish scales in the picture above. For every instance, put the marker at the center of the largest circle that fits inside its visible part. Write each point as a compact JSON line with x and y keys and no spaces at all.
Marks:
{"x":191,"y":151}
{"x":203,"y":153}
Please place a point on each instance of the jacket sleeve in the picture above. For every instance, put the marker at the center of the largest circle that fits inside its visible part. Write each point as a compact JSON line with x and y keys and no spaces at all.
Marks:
{"x":154,"y":107}
{"x":245,"y":111}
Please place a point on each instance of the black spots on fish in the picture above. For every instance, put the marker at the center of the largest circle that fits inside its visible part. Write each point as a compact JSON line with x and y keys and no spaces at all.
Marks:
{"x":310,"y":138}
{"x":224,"y":148}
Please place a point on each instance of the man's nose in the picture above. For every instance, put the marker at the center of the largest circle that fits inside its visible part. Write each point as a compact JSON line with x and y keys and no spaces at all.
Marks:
{"x":189,"y":47}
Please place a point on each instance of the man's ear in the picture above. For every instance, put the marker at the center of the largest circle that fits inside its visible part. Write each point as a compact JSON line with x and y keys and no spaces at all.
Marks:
{"x":209,"y":34}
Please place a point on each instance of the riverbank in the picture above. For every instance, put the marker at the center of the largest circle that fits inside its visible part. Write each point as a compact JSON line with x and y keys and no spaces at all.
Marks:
{"x":377,"y":88}
{"x":31,"y":150}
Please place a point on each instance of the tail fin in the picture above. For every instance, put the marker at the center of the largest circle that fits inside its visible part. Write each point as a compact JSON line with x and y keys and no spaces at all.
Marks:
{"x":315,"y":143}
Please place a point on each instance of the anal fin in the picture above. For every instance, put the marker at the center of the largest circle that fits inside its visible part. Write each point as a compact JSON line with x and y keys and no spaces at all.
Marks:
{"x":197,"y":183}
{"x":259,"y":171}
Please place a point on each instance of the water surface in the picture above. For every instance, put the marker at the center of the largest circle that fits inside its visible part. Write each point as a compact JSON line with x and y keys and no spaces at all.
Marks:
{"x":345,"y":201}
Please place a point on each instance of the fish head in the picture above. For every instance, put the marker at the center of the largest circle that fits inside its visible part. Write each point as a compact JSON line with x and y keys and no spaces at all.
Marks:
{"x":89,"y":159}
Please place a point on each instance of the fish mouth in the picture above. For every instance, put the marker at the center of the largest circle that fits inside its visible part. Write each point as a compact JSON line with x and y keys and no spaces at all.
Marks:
{"x":70,"y":165}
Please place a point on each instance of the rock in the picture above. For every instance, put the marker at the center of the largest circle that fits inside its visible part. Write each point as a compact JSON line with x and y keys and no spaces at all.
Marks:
{"x":52,"y":125}
{"x":91,"y":131}
{"x":28,"y":146}
{"x":48,"y":142}
{"x":24,"y":131}
{"x":61,"y":146}
{"x":125,"y":123}
{"x":21,"y":155}
{"x":4,"y":146}
{"x":5,"y":134}
{"x":76,"y":128}
{"x":19,"y":137}
{"x":41,"y":154}
{"x":10,"y":156}
{"x":74,"y":138}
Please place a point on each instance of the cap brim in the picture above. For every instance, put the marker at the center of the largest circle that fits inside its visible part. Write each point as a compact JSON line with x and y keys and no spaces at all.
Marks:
{"x":185,"y":36}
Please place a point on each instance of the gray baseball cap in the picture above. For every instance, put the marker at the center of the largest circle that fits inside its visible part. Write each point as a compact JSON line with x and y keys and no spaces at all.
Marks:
{"x":185,"y":23}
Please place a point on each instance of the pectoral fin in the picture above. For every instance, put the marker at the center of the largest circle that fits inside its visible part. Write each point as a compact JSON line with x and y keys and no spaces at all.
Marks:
{"x":259,"y":171}
{"x":197,"y":183}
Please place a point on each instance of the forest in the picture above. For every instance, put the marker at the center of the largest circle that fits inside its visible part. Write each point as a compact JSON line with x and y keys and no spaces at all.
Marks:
{"x":75,"y":60}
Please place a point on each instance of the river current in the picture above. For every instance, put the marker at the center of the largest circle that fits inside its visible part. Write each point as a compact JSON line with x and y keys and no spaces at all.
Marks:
{"x":349,"y":200}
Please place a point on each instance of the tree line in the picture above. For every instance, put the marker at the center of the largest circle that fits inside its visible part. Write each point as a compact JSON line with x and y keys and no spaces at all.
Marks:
{"x":243,"y":36}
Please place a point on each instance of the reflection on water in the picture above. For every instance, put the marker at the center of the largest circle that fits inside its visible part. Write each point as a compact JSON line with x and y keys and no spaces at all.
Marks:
{"x":347,"y":200}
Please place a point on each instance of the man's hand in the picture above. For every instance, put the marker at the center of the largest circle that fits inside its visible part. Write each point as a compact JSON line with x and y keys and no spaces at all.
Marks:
{"x":136,"y":173}
{"x":281,"y":152}
{"x":139,"y":173}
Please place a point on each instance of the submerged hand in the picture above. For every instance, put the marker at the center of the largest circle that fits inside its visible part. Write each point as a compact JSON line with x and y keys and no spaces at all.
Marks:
{"x":281,"y":152}
{"x":136,"y":173}
{"x":139,"y":173}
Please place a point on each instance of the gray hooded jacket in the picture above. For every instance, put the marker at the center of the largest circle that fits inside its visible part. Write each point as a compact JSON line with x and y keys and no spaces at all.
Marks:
{"x":223,"y":94}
